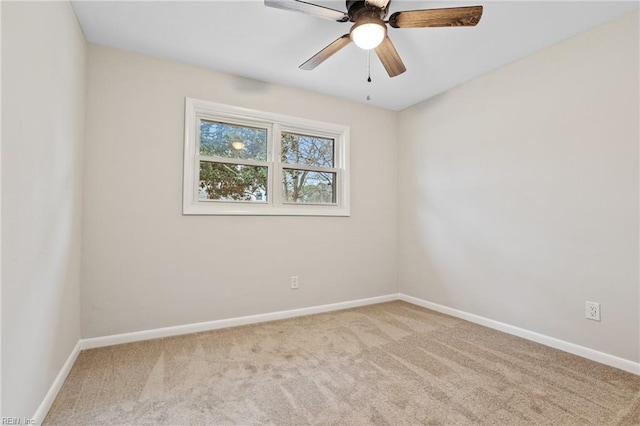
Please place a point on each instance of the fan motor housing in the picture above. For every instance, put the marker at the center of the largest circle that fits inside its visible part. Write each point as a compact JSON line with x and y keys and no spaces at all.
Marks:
{"x":359,"y":8}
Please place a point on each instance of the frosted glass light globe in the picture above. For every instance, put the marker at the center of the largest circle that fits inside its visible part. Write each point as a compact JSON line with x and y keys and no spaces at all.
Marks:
{"x":368,"y":35}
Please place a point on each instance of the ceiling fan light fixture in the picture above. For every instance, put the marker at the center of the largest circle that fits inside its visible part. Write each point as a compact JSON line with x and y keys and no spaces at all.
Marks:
{"x":368,"y":33}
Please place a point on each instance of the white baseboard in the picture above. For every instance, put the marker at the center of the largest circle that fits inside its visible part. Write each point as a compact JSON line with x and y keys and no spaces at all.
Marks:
{"x":47,"y":402}
{"x":592,"y":354}
{"x":117,"y":339}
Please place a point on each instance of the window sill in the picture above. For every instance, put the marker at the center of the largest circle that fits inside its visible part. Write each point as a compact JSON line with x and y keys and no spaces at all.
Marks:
{"x":233,"y":209}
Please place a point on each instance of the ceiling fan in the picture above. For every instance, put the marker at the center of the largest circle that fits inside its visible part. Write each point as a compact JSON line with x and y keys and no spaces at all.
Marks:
{"x":369,"y":30}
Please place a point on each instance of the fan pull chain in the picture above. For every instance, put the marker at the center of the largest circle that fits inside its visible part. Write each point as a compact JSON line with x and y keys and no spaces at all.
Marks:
{"x":368,"y":70}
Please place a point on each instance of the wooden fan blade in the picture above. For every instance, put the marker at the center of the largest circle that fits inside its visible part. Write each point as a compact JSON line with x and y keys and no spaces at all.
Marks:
{"x":378,"y":3}
{"x":449,"y":17}
{"x":326,"y":53}
{"x":389,"y":57}
{"x":309,"y":9}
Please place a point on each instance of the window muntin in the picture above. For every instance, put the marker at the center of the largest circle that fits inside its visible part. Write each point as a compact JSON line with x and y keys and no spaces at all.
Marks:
{"x":245,"y":162}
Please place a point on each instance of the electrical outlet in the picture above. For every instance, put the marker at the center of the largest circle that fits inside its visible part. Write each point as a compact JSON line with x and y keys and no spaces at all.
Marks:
{"x":593,"y":311}
{"x":294,"y":282}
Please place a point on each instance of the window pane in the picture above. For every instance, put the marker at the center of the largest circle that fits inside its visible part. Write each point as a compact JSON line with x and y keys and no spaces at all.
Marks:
{"x":303,"y":186}
{"x":230,"y":141}
{"x":226,"y":182}
{"x":308,"y":150}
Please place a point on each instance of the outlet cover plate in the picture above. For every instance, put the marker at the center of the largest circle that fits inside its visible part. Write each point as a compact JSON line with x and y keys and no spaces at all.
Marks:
{"x":592,"y":311}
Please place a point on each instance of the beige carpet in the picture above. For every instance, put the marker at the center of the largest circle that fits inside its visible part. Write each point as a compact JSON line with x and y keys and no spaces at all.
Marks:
{"x":388,"y":364}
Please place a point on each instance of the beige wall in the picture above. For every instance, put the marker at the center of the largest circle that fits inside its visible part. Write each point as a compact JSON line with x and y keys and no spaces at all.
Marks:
{"x":43,"y":62}
{"x":519,"y":192}
{"x":145,"y":265}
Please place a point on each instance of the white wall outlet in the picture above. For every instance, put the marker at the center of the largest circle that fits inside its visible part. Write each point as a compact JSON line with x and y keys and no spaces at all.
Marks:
{"x":593,"y":311}
{"x":294,"y":282}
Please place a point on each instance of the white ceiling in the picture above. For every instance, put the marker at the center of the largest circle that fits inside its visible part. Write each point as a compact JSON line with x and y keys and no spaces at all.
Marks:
{"x":251,"y":40}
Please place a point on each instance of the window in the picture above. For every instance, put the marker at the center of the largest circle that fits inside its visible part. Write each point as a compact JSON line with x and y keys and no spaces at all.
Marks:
{"x":244,"y":162}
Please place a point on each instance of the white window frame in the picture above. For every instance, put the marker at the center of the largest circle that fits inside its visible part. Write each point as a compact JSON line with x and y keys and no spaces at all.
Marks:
{"x":196,"y":110}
